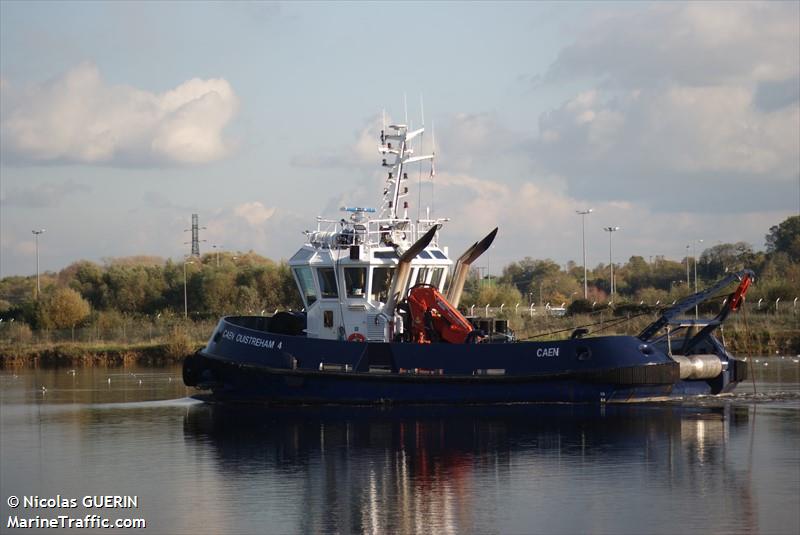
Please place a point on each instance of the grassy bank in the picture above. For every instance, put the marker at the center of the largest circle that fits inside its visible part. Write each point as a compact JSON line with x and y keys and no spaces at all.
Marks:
{"x":81,"y":354}
{"x":756,"y":334}
{"x":135,"y":342}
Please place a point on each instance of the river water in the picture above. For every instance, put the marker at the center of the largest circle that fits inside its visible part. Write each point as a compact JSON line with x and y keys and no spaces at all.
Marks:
{"x":723,"y":465}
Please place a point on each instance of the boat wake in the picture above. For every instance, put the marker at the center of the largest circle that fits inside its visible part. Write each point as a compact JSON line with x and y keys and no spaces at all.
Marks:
{"x":790,"y":396}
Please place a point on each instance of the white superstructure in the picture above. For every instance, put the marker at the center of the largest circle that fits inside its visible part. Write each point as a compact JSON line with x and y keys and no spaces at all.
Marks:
{"x":345,"y":269}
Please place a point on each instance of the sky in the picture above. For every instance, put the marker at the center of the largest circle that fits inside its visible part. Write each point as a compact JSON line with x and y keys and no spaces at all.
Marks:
{"x":677,"y":122}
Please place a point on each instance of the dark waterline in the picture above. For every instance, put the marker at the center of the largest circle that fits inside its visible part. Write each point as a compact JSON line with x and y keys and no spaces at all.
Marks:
{"x":708,"y":465}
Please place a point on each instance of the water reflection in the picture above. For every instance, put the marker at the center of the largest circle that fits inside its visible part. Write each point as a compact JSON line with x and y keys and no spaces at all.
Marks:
{"x":511,"y":468}
{"x":90,"y":385}
{"x":722,"y":464}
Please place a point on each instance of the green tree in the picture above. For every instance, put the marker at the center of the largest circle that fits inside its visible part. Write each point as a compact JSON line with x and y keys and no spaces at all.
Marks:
{"x":633,"y":276}
{"x":63,"y":308}
{"x":724,"y":258}
{"x":87,"y":278}
{"x":785,"y":238}
{"x":494,"y":295}
{"x":135,"y":289}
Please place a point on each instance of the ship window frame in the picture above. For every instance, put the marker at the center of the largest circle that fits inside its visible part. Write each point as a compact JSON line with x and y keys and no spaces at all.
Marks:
{"x":438,"y":254}
{"x":305,"y":282}
{"x":424,"y":271}
{"x":327,"y":283}
{"x":349,"y":287}
{"x":385,"y":292}
{"x":437,"y":276}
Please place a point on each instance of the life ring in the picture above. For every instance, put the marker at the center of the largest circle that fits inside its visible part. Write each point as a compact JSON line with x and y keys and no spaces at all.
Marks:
{"x":356,"y":337}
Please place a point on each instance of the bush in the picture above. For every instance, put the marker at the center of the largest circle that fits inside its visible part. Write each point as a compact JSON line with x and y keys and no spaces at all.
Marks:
{"x":626,"y":309}
{"x":63,"y":308}
{"x":17,"y":332}
{"x":109,"y":321}
{"x":180,"y":344}
{"x":580,"y":306}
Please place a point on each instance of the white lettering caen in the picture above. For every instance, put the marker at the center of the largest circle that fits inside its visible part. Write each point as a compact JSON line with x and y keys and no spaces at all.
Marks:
{"x":547,"y":352}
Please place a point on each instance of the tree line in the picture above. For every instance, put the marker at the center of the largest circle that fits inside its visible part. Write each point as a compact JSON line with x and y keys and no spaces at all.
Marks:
{"x":224,"y":283}
{"x":655,"y":280}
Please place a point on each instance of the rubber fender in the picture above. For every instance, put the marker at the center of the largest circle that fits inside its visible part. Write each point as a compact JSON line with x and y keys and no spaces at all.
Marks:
{"x":698,"y":366}
{"x":192,"y":369}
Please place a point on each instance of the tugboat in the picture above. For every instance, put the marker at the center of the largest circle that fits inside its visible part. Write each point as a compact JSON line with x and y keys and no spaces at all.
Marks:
{"x":381,"y":324}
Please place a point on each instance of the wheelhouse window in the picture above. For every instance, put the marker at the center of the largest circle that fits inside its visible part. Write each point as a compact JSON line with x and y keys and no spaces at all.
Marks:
{"x":422,"y":275}
{"x":327,"y":283}
{"x":381,"y":283}
{"x":306,"y":284}
{"x":436,"y":276}
{"x":355,"y":282}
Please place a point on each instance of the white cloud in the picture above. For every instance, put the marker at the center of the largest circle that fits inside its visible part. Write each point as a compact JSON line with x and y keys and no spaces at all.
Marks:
{"x":78,"y":117}
{"x":246,"y":226}
{"x":467,"y":140}
{"x":254,"y":212}
{"x":540,"y":221}
{"x":360,"y":153}
{"x":678,"y":129}
{"x":688,"y":43}
{"x":698,"y":101}
{"x":241,"y":226}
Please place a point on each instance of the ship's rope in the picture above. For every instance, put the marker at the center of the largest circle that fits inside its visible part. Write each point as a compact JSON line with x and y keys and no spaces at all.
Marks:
{"x":749,"y":352}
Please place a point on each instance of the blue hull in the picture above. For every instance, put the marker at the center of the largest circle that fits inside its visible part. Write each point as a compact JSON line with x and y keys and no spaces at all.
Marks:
{"x":250,"y":365}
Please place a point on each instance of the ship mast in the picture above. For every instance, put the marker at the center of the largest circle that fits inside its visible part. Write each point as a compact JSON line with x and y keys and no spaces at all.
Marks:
{"x":397,"y":143}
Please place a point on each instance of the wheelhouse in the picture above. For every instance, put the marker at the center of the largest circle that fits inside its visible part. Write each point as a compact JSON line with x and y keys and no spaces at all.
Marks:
{"x":345,"y":290}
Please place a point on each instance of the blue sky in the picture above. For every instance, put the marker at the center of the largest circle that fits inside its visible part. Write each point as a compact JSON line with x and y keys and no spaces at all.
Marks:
{"x":119,"y":120}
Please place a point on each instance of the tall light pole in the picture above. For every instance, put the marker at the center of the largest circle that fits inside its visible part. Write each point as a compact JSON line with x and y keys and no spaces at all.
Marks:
{"x":36,"y":234}
{"x":611,"y":231}
{"x":217,"y":248}
{"x":694,"y":255}
{"x":688,"y":278}
{"x":185,"y":296}
{"x":583,"y":214}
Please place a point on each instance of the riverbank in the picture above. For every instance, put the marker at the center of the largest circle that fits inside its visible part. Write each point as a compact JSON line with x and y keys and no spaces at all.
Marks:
{"x":73,"y":355}
{"x":760,"y":335}
{"x":743,"y":335}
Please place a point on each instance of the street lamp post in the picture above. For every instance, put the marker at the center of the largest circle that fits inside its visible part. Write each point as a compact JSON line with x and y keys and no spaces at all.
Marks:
{"x":185,"y":295}
{"x":583,"y":214}
{"x":694,"y":255}
{"x":36,"y":234}
{"x":611,"y":231}
{"x":688,"y":278}
{"x":217,"y":248}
